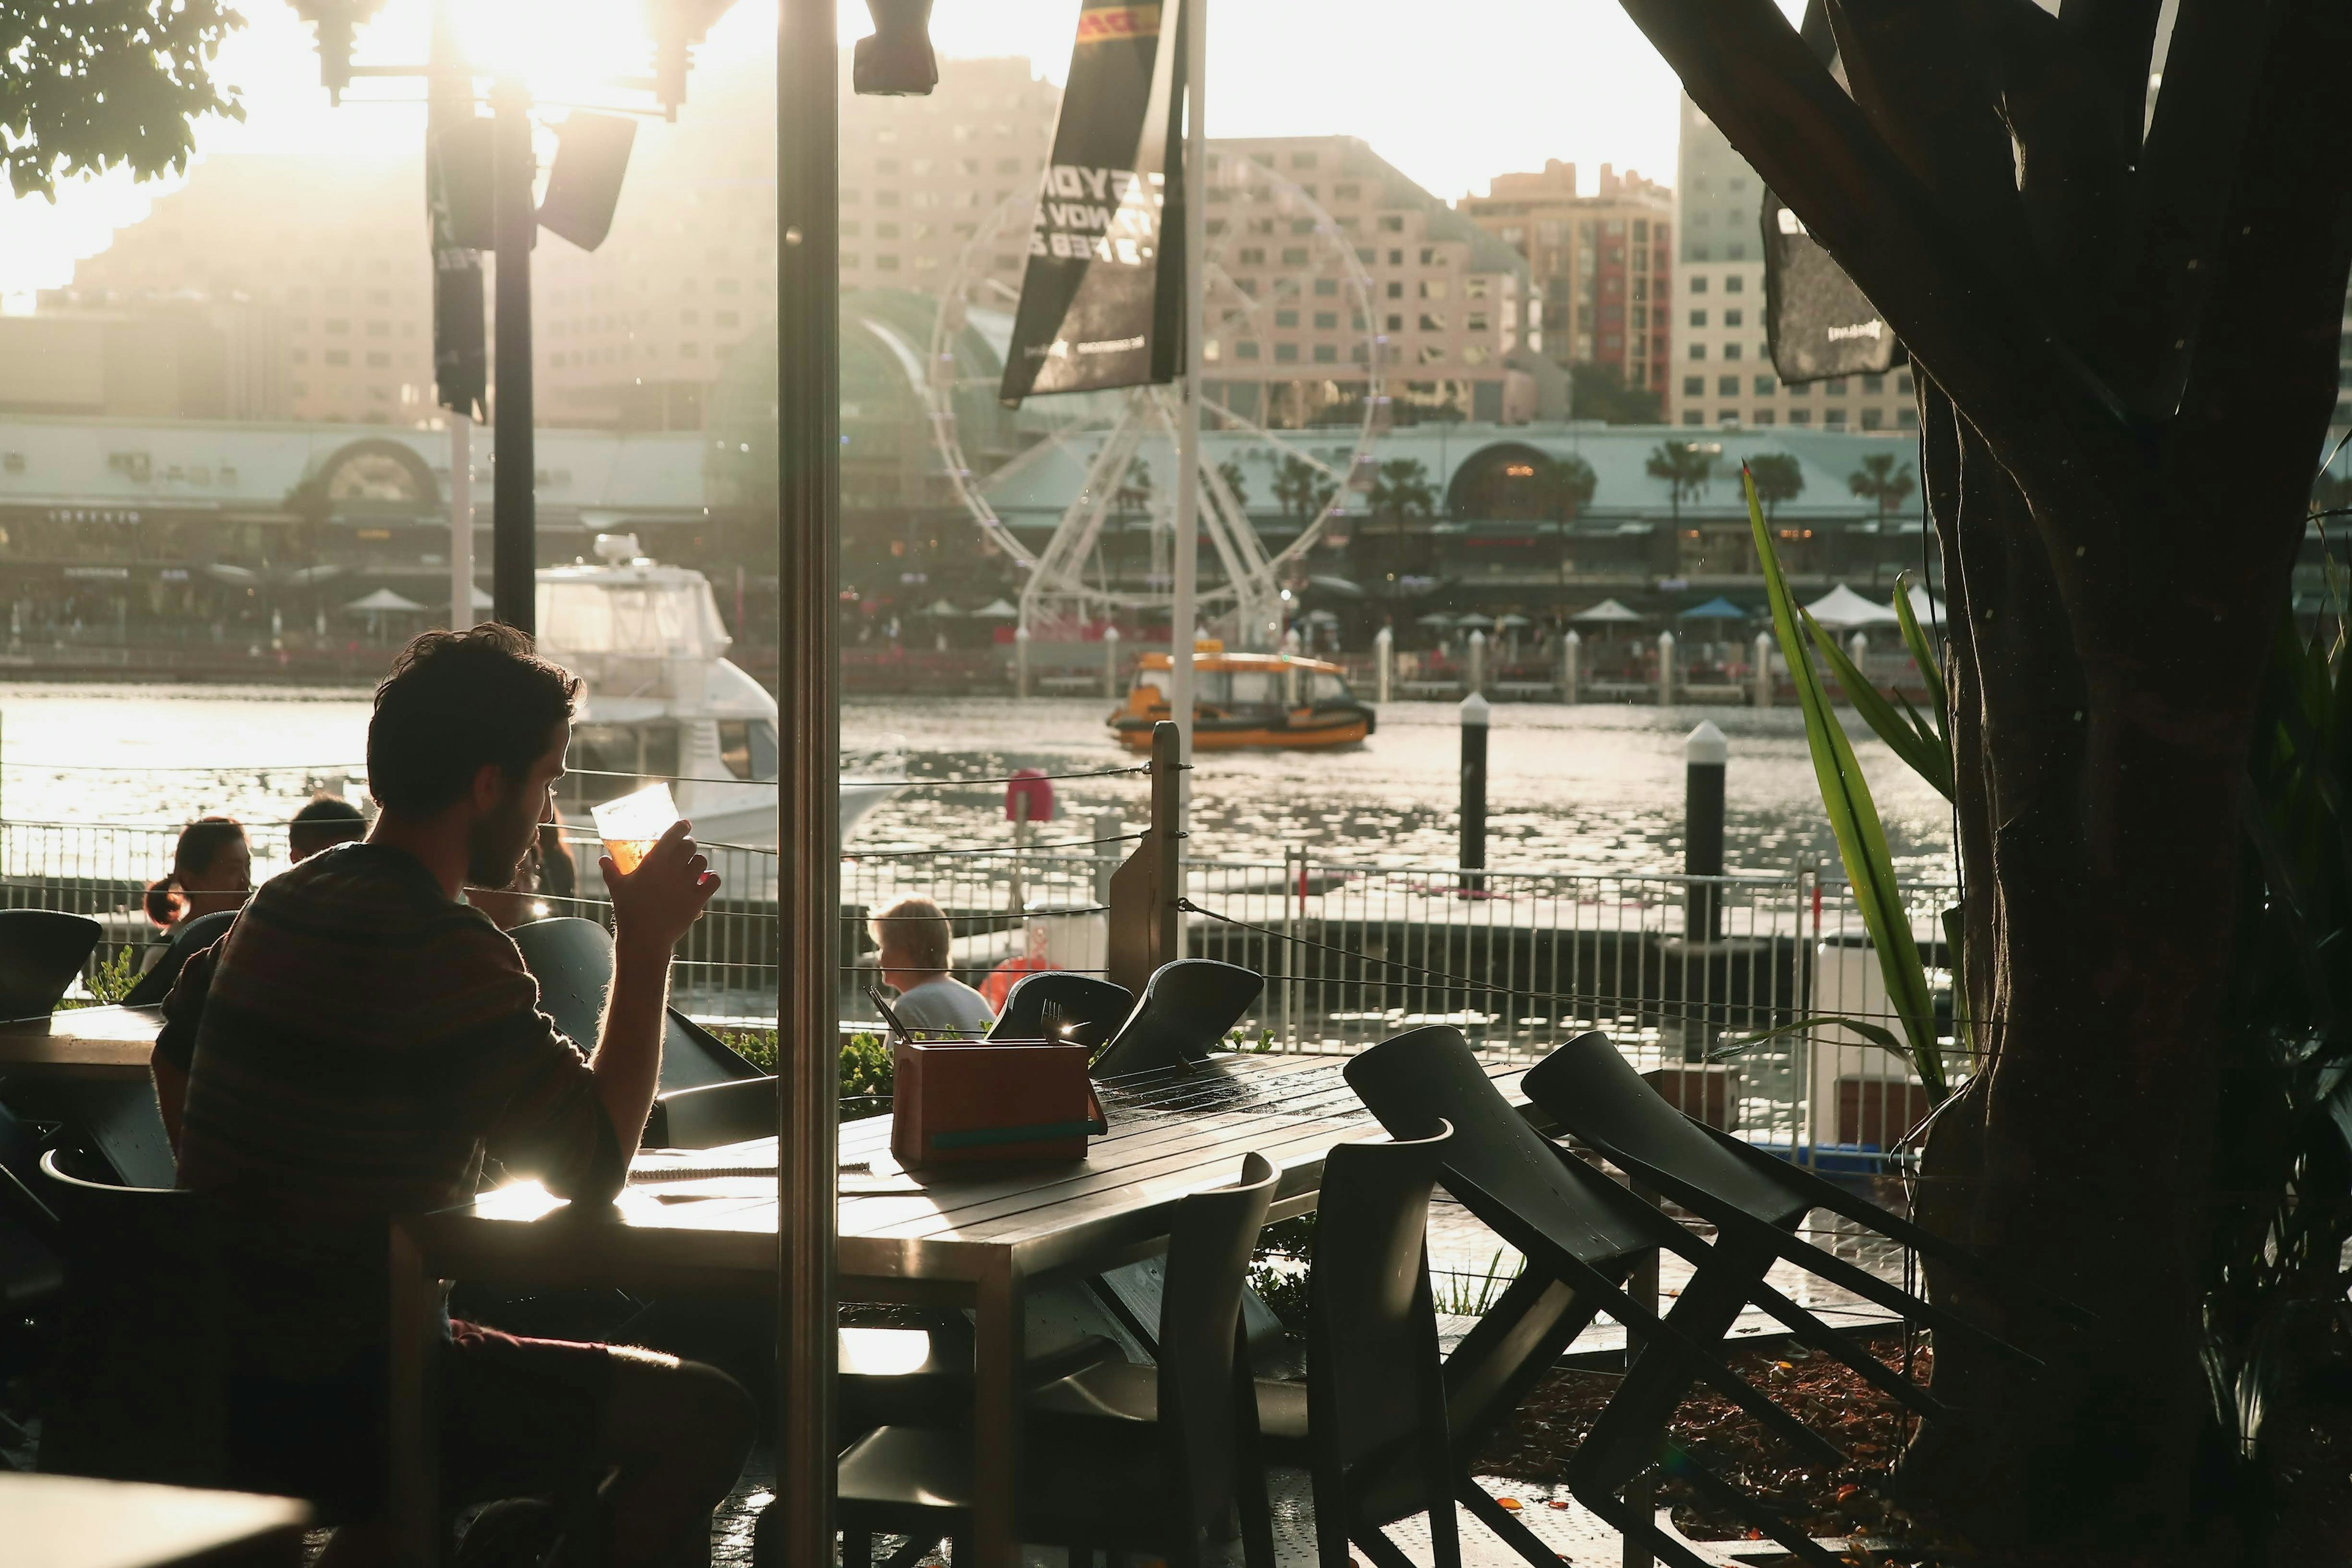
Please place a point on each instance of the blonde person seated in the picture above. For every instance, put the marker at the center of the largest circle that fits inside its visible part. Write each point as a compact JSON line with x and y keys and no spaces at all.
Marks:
{"x":914,"y":937}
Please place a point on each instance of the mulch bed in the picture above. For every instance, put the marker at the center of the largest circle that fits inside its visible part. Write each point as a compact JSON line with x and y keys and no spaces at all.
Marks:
{"x":1825,"y":1395}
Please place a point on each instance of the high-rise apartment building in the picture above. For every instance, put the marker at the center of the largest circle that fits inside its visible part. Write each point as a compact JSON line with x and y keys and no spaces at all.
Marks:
{"x":322,"y":260}
{"x":1603,"y":264}
{"x":1722,"y":362}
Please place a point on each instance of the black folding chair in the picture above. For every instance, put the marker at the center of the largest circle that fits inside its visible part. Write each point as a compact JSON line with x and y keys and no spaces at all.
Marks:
{"x":189,"y":938}
{"x":1375,"y":1389}
{"x":1171,"y":1488}
{"x":1577,"y":1230}
{"x":1187,"y":1007}
{"x":41,"y":951}
{"x":572,"y":959}
{"x":1756,"y":1204}
{"x":1090,"y":1007}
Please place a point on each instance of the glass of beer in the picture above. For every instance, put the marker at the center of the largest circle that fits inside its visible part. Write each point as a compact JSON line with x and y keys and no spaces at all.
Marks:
{"x":631,"y":826}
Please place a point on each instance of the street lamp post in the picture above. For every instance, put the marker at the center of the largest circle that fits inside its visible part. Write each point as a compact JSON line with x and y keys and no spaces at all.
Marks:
{"x":514,"y":519}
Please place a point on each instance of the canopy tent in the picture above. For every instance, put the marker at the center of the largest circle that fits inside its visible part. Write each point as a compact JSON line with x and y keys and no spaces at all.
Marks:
{"x":384,"y":601}
{"x":1608,"y":612}
{"x":1841,"y":608}
{"x":1321,"y":618}
{"x":1716,"y":609}
{"x":1475,"y":622}
{"x":1512,"y":623}
{"x":997,"y":610}
{"x":1437,"y":620}
{"x":944,"y":611}
{"x":1338,"y":587}
{"x":480,"y":600}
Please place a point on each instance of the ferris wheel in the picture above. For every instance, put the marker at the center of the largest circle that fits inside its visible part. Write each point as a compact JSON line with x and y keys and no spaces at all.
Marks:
{"x":1279,"y":274}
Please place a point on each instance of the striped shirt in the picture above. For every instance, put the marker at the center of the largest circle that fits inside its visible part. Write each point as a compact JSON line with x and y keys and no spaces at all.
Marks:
{"x":355,"y":1047}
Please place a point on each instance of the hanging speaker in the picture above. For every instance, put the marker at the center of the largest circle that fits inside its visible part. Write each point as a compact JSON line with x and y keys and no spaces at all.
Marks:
{"x":1819,"y":325}
{"x":592,"y":154}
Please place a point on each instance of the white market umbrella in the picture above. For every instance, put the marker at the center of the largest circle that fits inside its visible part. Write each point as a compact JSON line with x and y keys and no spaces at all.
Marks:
{"x":1437,"y":620}
{"x":1926,"y":608}
{"x":1512,"y":623}
{"x":1608,"y":612}
{"x":384,"y":601}
{"x":1841,"y":608}
{"x":1475,"y":622}
{"x":997,"y":610}
{"x":944,"y":611}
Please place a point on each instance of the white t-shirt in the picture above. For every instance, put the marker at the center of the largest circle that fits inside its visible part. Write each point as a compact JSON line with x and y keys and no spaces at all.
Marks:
{"x":944,"y":1006}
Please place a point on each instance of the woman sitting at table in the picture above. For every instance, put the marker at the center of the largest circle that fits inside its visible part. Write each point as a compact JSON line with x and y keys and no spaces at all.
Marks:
{"x":914,"y":939}
{"x":212,"y":869}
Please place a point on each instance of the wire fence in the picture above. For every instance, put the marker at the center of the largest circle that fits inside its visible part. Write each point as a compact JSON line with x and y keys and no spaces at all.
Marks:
{"x":1673,"y":969}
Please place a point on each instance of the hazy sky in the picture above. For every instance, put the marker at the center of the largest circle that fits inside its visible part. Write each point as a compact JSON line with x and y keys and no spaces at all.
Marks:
{"x":1452,"y":93}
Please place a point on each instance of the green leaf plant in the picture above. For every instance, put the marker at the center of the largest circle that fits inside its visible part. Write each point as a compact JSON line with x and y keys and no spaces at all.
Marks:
{"x":1853,"y":815}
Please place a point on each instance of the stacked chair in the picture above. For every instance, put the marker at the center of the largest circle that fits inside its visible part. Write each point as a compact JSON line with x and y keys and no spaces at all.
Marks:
{"x":1174,"y":1486}
{"x":1090,"y":1008}
{"x":1187,"y":1007}
{"x":41,"y":951}
{"x":1581,"y":1234}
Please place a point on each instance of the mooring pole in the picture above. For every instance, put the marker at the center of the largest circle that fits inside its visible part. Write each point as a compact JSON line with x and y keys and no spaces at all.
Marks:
{"x":1705,"y":757}
{"x":1475,"y":714}
{"x":514,"y":524}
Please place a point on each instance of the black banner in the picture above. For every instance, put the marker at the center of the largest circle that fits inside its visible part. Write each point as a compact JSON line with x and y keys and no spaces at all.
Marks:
{"x":456,"y":188}
{"x":1819,"y":325}
{"x":1101,"y":302}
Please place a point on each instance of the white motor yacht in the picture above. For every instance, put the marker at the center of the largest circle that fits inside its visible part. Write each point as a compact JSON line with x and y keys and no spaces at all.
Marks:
{"x":663,"y":703}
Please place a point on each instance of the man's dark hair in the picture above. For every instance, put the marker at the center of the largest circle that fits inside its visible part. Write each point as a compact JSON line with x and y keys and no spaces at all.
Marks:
{"x":326,"y":821}
{"x":456,"y":702}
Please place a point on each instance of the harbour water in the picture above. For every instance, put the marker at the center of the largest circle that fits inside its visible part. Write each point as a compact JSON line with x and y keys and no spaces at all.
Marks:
{"x":1584,"y":787}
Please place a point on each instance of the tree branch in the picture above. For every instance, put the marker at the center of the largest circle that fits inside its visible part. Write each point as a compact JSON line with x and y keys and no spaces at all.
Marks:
{"x":2260,"y":382}
{"x":2194,"y":155}
{"x":1990,"y":347}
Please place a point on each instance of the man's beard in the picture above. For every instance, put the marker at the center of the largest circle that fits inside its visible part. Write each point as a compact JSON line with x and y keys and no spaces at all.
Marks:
{"x":496,"y":844}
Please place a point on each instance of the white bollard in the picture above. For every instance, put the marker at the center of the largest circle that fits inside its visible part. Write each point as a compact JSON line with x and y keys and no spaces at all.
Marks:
{"x":1383,"y":663}
{"x":1666,"y":669}
{"x":1764,"y":669}
{"x":1572,"y":659}
{"x":1021,"y":661}
{"x":1478,"y":662}
{"x":1110,"y":662}
{"x":1858,"y":649}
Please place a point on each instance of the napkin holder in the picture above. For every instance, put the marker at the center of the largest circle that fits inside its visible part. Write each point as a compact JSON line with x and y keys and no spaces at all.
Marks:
{"x":963,"y":1100}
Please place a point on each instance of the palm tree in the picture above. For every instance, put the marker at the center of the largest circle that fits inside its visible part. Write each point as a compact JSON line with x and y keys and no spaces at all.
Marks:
{"x":1686,"y":467}
{"x":1231,"y":472}
{"x":1301,"y":489}
{"x":1779,"y":476}
{"x":1879,"y":480}
{"x":1401,"y":488}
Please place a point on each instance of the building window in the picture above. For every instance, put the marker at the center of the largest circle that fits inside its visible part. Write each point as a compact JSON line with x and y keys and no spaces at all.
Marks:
{"x":1693,"y":417}
{"x":1735,"y":318}
{"x":1726,"y":386}
{"x":1698,"y":350}
{"x":338,"y":356}
{"x":1873,"y":383}
{"x":1908,"y":419}
{"x":1285,"y":318}
{"x":1395,"y":322}
{"x":1834,"y":386}
{"x":1431,"y":324}
{"x":1731,"y":351}
{"x":1728,"y":416}
{"x":1395,"y":290}
{"x":1327,"y":287}
{"x":1699,"y":318}
{"x":1872,"y":419}
{"x":1325,"y":353}
{"x":1693,"y":386}
{"x":1293,"y":256}
{"x":1698,"y":282}
{"x":1765,"y":386}
{"x":1903,"y":384}
{"x":1734,"y":283}
{"x":1392,"y":222}
{"x":1327,"y":320}
{"x":338,"y":325}
{"x":1801,"y":417}
{"x":1834,"y":418}
{"x":1252,"y":256}
{"x":885,"y":263}
{"x":1763,"y":416}
{"x":379,"y":362}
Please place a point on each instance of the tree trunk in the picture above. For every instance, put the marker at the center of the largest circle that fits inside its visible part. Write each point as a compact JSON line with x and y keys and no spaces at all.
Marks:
{"x":2124,"y":328}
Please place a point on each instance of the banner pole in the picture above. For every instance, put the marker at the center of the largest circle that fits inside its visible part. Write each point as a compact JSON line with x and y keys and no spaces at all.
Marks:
{"x":1188,"y":429}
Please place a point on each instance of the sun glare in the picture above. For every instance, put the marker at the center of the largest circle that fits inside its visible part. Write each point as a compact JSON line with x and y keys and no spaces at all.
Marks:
{"x":567,"y":53}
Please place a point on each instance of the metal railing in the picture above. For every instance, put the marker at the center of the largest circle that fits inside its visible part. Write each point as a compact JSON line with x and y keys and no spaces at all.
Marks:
{"x":1675,"y":970}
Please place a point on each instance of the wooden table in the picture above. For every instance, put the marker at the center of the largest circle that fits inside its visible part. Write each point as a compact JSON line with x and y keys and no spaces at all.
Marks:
{"x":969,"y":1235}
{"x":81,"y":1042}
{"x":70,"y":1521}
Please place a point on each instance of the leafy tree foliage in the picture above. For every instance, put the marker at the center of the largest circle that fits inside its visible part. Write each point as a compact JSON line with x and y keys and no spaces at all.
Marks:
{"x":94,"y":85}
{"x":1596,"y":390}
{"x":1779,"y":476}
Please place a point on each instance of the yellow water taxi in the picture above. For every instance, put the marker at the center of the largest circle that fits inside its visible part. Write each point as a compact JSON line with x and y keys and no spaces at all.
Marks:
{"x":1267,"y":701}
